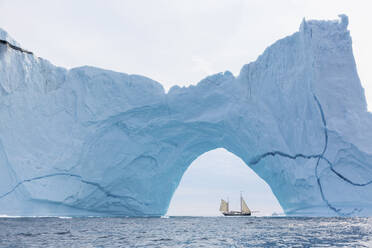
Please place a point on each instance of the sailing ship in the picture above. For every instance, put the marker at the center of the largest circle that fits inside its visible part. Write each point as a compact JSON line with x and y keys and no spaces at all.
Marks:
{"x":244,"y":209}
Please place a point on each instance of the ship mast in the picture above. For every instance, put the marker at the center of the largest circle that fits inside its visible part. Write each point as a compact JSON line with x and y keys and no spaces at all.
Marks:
{"x":241,"y":202}
{"x":243,"y":206}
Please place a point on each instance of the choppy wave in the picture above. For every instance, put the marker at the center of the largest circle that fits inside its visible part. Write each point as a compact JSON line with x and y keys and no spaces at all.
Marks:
{"x":186,"y":232}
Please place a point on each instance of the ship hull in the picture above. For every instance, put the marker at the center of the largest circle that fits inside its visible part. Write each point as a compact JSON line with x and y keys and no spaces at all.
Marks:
{"x":236,"y":214}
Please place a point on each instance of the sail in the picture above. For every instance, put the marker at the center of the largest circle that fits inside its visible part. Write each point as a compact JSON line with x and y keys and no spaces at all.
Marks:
{"x":243,"y":206}
{"x":224,"y":207}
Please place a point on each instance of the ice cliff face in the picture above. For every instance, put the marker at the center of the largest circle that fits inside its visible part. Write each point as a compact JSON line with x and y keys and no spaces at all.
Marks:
{"x":88,"y":141}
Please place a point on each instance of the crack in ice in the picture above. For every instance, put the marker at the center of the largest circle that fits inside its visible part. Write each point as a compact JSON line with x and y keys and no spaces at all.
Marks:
{"x":282,"y":154}
{"x":322,"y":156}
{"x":97,"y":185}
{"x":318,"y":157}
{"x":338,"y":211}
{"x":5,"y":42}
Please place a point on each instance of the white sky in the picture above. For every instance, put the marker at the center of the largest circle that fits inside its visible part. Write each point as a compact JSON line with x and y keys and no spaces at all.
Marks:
{"x":174,"y":41}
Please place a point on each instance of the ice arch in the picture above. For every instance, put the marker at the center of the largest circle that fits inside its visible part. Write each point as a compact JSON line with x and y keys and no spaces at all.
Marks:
{"x":220,"y":174}
{"x":87,"y":141}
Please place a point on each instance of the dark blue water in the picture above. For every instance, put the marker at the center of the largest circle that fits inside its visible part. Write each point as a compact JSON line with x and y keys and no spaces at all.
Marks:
{"x":186,"y":232}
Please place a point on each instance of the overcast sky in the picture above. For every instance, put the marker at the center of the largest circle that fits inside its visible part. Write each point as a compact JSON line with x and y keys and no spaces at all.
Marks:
{"x":177,"y":42}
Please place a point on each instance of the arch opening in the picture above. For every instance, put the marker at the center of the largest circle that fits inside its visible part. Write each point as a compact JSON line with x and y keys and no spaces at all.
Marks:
{"x":220,"y":174}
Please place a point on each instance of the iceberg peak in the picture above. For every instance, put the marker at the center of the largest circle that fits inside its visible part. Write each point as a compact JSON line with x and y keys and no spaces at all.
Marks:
{"x":340,"y":24}
{"x":344,"y":20}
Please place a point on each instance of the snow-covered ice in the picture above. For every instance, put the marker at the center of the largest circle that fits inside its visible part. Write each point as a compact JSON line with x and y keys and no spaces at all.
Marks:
{"x":90,"y":142}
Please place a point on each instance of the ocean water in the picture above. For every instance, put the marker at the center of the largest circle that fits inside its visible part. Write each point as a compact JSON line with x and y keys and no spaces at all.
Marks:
{"x":186,"y":232}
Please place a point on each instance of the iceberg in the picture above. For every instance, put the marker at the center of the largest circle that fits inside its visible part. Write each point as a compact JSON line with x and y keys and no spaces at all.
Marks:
{"x":94,"y":142}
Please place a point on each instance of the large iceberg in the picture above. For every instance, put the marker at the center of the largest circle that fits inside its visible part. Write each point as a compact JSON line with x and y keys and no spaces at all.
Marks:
{"x":88,"y":141}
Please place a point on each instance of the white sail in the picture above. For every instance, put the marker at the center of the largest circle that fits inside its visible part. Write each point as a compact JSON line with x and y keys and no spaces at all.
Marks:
{"x":243,"y":206}
{"x":224,"y":207}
